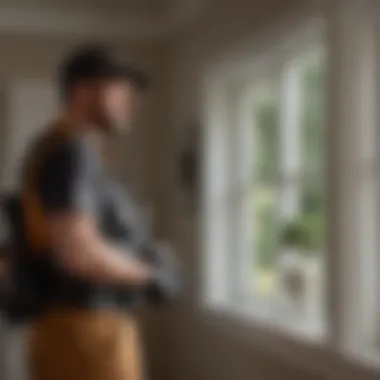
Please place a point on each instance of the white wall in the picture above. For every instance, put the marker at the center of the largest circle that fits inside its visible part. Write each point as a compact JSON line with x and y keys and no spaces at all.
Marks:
{"x":30,"y":104}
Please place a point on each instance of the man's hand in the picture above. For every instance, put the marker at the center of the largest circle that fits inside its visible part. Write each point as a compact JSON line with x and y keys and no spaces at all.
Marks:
{"x":166,"y":284}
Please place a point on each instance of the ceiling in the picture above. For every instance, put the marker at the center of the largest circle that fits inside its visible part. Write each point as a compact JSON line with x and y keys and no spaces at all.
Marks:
{"x":135,"y":7}
{"x":122,"y":18}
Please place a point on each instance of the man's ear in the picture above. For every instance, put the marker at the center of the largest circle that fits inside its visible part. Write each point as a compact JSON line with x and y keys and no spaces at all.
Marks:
{"x":82,"y":93}
{"x":4,"y":267}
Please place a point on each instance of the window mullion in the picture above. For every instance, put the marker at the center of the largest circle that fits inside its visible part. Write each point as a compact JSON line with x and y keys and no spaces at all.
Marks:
{"x":289,"y":162}
{"x":214,"y":226}
{"x":234,"y":252}
{"x":290,"y":143}
{"x":375,"y":110}
{"x":240,"y":140}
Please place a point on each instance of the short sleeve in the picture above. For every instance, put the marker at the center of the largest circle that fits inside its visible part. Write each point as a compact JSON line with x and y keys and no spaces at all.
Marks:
{"x":65,"y":181}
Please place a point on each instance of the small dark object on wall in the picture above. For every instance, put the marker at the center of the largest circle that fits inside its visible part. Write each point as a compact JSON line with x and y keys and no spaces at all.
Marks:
{"x":189,"y":161}
{"x":189,"y":170}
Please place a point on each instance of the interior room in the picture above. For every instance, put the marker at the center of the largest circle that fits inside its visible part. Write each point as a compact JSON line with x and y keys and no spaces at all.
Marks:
{"x":255,"y":156}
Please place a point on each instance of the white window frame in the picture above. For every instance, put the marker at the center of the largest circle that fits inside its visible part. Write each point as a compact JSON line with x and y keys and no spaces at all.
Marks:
{"x":352,"y":280}
{"x":231,"y":114}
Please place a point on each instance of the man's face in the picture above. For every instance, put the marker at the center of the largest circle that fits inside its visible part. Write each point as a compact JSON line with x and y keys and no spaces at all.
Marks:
{"x":114,"y":105}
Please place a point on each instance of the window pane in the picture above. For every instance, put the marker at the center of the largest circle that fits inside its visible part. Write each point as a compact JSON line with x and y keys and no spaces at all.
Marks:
{"x":287,"y":248}
{"x":263,"y":195}
{"x":287,"y":197}
{"x":312,"y":72}
{"x":301,"y":247}
{"x":266,"y":117}
{"x":264,"y":201}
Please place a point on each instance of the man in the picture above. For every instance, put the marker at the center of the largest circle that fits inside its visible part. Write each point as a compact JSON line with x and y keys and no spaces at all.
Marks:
{"x":82,"y":331}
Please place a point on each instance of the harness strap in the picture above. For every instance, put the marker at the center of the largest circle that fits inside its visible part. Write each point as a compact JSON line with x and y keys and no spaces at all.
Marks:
{"x":34,"y":218}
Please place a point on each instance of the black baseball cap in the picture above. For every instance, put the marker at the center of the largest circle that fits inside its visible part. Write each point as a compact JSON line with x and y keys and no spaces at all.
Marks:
{"x":92,"y":63}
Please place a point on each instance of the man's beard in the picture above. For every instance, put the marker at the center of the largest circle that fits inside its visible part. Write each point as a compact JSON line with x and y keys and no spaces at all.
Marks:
{"x":109,"y":125}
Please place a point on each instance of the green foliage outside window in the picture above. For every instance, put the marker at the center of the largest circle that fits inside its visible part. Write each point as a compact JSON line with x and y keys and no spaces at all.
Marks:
{"x":306,"y":231}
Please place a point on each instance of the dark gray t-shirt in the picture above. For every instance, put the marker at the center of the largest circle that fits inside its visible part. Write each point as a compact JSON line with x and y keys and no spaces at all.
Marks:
{"x":68,"y":178}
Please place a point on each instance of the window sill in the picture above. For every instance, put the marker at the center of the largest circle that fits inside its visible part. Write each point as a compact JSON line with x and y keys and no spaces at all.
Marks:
{"x":296,"y":346}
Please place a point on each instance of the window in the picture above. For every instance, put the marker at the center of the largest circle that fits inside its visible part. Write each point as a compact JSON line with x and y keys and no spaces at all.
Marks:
{"x":284,"y":197}
{"x":269,"y":210}
{"x":291,"y":202}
